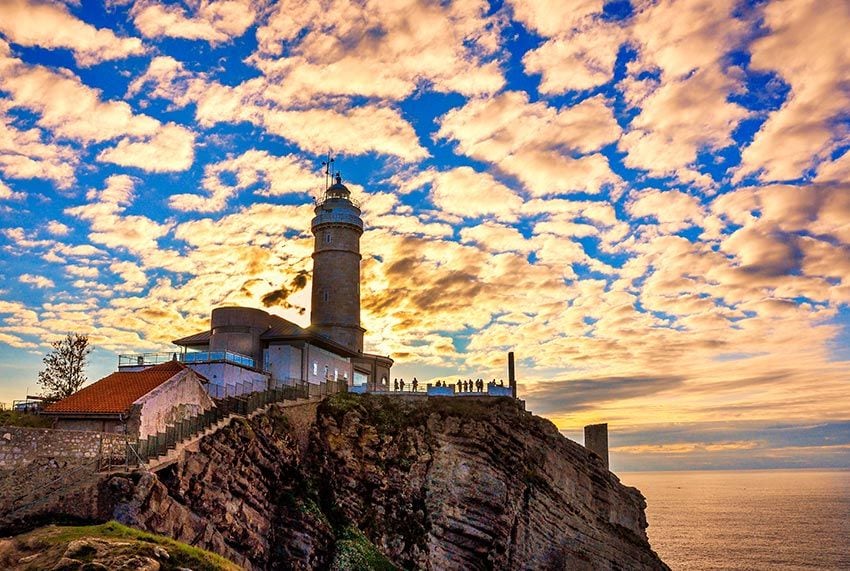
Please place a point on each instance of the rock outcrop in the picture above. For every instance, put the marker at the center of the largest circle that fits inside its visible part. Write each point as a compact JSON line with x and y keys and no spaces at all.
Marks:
{"x":383,"y":482}
{"x":104,"y":547}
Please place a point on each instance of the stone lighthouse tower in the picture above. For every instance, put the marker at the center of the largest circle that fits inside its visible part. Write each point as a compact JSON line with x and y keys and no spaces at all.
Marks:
{"x":337,"y":228}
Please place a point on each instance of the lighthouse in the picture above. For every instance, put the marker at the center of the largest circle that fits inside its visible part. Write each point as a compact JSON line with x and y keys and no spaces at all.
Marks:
{"x":337,"y":228}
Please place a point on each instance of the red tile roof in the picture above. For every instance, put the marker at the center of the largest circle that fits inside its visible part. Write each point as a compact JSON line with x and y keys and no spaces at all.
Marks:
{"x":117,"y":392}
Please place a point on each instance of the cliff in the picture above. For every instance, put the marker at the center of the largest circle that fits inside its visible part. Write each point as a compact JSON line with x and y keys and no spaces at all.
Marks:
{"x":382,"y":482}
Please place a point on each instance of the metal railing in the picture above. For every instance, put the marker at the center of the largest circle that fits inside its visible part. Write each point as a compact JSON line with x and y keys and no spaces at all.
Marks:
{"x":141,"y":451}
{"x":194,"y":357}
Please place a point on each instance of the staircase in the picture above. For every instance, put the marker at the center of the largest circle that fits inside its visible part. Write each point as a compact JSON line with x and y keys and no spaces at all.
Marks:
{"x":163,"y":450}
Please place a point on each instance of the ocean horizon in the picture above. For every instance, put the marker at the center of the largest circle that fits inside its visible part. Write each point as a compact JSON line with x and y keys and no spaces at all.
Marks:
{"x":784,"y":519}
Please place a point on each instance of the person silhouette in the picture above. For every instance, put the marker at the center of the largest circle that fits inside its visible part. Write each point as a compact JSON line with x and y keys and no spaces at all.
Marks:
{"x":395,"y":384}
{"x":415,"y":384}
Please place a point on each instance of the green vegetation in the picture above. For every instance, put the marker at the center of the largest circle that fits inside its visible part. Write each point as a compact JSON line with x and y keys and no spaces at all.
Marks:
{"x":180,"y":554}
{"x":65,"y":366}
{"x":354,"y":552}
{"x":245,"y":426}
{"x":15,"y":418}
{"x":389,"y":414}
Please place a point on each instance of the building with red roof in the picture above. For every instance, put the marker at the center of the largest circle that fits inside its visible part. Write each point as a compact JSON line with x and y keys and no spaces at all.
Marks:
{"x":139,"y":403}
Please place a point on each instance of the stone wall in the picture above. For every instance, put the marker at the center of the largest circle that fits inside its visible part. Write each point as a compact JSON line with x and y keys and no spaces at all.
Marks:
{"x":175,"y":400}
{"x":596,"y":440}
{"x":90,"y":424}
{"x":20,"y":446}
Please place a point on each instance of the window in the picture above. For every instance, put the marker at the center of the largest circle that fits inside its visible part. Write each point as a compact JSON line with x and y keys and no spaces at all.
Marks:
{"x":326,"y":372}
{"x":326,"y":295}
{"x":315,"y":368}
{"x":336,"y":374}
{"x":328,"y":237}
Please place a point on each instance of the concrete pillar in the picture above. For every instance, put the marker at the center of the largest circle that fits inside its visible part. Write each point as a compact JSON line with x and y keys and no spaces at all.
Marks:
{"x":512,"y":374}
{"x":596,"y":440}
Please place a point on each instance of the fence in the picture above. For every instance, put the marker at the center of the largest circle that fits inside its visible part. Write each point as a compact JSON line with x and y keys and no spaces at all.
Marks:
{"x":146,"y":359}
{"x":221,"y":391}
{"x":288,"y":389}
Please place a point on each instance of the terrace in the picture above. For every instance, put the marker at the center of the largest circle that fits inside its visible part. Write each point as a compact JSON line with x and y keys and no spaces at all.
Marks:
{"x":140,"y":360}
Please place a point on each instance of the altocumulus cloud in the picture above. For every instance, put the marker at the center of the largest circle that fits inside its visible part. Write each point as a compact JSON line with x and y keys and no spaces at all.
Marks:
{"x":647,"y":201}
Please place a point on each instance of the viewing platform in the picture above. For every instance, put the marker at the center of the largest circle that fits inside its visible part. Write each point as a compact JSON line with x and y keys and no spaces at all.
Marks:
{"x":431,"y":390}
{"x":140,"y":360}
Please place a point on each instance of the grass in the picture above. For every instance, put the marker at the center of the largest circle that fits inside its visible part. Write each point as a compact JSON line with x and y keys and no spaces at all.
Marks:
{"x":354,"y":552}
{"x":391,"y":414}
{"x":182,"y":555}
{"x":26,"y":420}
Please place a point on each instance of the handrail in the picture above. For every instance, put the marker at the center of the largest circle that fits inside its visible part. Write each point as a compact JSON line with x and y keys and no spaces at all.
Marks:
{"x":194,"y":357}
{"x":242,"y":404}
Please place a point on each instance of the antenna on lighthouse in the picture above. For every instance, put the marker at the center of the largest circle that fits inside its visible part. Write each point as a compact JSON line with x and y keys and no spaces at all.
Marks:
{"x":329,"y":171}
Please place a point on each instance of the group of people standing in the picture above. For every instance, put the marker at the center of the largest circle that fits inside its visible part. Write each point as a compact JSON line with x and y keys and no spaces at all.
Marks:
{"x":469,"y":385}
{"x":398,"y":384}
{"x":461,"y":386}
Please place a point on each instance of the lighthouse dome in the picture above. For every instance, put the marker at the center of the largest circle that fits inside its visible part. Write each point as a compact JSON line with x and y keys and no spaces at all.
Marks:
{"x":337,"y":189}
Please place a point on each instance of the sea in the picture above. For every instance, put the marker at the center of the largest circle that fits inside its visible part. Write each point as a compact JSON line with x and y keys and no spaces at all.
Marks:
{"x":748,"y":520}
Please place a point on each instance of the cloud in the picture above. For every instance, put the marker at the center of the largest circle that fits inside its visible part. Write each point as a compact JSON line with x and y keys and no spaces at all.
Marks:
{"x":464,"y":192}
{"x":25,"y":155}
{"x":497,"y":237}
{"x":582,"y":394}
{"x":352,"y":130}
{"x":37,"y":281}
{"x":110,"y":226}
{"x":503,"y":212}
{"x":581,"y":48}
{"x":170,"y":149}
{"x":730,"y":445}
{"x":7,"y":193}
{"x":381,"y":49}
{"x":679,"y":119}
{"x":213,"y":21}
{"x":89,"y":120}
{"x":57,"y":228}
{"x":837,"y":170}
{"x":674,"y":210}
{"x":686,"y":109}
{"x":551,"y":151}
{"x":133,"y":277}
{"x":807,"y":127}
{"x":276,"y":176}
{"x":551,"y":17}
{"x":50,"y":25}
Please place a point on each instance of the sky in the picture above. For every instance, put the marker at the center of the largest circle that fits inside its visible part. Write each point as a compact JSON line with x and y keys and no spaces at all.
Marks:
{"x":648,"y":201}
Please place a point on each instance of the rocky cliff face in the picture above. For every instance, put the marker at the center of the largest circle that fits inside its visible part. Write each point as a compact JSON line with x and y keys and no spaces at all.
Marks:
{"x":461,"y":484}
{"x":383,"y":482}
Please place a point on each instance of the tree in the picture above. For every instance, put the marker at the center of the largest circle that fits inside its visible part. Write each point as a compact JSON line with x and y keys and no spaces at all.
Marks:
{"x":64,"y":367}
